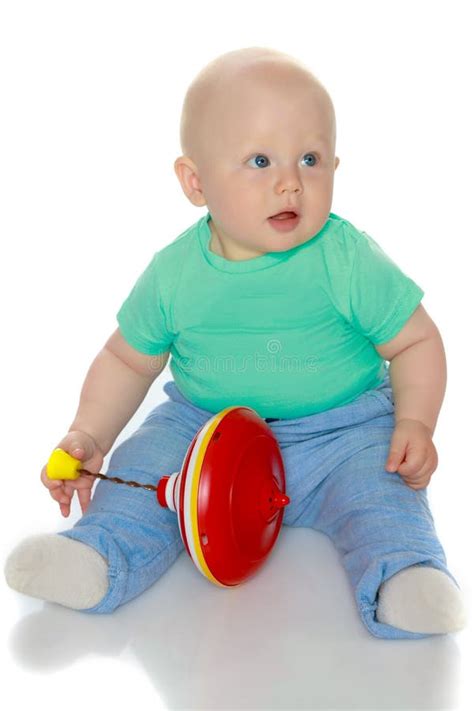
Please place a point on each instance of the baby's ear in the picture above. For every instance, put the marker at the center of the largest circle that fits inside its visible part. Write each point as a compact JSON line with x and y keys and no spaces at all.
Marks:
{"x":188,"y":177}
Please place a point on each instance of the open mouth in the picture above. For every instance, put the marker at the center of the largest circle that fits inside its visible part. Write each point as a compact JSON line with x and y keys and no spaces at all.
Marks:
{"x":284,"y":221}
{"x":284,"y":215}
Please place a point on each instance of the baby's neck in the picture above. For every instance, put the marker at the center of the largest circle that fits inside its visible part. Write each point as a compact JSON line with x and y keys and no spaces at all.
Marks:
{"x":214,"y":243}
{"x":217,"y":247}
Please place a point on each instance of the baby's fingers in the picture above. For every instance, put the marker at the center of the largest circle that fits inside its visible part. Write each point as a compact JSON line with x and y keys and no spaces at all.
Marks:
{"x":84,"y":496}
{"x":65,"y":508}
{"x":83,"y":487}
{"x":62,"y":497}
{"x":57,"y":491}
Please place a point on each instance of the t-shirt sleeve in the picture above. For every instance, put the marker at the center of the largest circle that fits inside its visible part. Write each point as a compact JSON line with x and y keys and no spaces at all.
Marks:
{"x":142,"y":316}
{"x":382,"y":297}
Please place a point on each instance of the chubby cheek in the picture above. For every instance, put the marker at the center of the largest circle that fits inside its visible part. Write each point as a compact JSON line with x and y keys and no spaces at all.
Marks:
{"x":318,"y":200}
{"x":241,"y":201}
{"x":247,"y":183}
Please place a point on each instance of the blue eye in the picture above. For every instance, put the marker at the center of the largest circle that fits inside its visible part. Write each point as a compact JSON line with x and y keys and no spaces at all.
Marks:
{"x":312,"y":158}
{"x":260,"y":160}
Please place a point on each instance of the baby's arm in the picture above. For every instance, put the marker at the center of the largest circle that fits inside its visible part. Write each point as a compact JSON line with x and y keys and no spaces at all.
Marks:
{"x":116,"y":383}
{"x":417,"y":369}
{"x":418,"y":378}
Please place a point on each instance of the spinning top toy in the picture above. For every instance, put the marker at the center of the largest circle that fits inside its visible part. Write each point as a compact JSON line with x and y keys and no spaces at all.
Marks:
{"x":229,"y":495}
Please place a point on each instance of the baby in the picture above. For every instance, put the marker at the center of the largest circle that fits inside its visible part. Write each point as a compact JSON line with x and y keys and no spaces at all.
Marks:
{"x":271,"y":301}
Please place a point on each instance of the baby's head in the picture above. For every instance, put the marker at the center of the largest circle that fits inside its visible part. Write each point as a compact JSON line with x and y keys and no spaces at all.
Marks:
{"x":258,"y":134}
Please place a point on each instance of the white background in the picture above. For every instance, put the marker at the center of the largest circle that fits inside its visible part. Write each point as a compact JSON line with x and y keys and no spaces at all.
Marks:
{"x":90,"y":95}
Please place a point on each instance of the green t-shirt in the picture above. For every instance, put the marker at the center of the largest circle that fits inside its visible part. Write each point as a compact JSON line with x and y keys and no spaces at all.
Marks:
{"x":287,"y":333}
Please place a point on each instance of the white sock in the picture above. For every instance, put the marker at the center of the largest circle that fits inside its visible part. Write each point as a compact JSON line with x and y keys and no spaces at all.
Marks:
{"x":58,"y":569}
{"x":421,"y":599}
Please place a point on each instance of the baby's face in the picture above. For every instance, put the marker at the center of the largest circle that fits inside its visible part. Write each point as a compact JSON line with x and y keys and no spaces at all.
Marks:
{"x":266,"y":150}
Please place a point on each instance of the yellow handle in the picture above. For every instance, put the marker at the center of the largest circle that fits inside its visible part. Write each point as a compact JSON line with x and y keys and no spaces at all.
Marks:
{"x":62,"y":465}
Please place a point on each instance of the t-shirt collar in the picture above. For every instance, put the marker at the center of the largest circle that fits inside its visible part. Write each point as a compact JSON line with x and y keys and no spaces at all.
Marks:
{"x":241,"y":266}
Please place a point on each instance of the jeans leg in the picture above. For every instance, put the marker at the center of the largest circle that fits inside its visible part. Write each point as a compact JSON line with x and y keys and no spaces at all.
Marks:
{"x":378,"y":524}
{"x":337,"y":483}
{"x":139,"y":538}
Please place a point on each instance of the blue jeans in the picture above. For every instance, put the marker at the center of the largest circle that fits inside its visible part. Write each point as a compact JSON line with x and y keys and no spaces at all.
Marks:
{"x":335,"y":478}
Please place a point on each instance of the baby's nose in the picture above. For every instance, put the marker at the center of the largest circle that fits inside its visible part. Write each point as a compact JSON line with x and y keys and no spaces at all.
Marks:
{"x":290,"y":182}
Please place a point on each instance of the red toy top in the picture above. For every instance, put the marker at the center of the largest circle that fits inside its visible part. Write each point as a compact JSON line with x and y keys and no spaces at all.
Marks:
{"x":229,"y":495}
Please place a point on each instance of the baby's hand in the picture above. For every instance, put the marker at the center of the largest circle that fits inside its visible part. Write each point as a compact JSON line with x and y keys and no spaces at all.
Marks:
{"x":81,"y":446}
{"x":412,"y":453}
